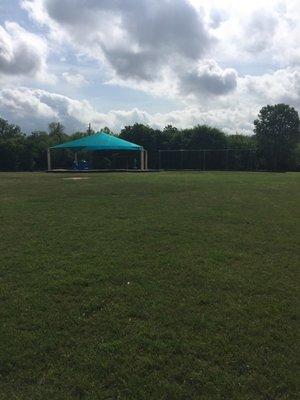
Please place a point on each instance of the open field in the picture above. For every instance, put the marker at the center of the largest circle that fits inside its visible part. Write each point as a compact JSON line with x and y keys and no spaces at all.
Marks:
{"x":149,"y":286}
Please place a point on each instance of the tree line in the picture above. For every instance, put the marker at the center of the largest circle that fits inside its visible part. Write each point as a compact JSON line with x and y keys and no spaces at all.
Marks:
{"x":275,"y":142}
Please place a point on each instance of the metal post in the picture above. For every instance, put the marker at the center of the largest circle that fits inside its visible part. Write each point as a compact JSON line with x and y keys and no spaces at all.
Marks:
{"x":159,"y":159}
{"x":227,"y":154}
{"x":49,"y":159}
{"x":181,"y":159}
{"x":146,"y":160}
{"x":76,"y":158}
{"x":142,"y":159}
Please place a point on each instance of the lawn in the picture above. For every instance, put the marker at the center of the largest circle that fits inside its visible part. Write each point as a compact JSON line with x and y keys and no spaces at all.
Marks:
{"x":149,"y":286}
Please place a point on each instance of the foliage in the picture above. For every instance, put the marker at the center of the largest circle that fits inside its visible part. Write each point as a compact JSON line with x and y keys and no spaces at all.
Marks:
{"x":296,"y":157}
{"x":12,"y":146}
{"x":203,"y":137}
{"x":275,"y":143}
{"x":277,"y":132}
{"x":57,"y":131}
{"x":241,"y":142}
{"x":106,"y":130}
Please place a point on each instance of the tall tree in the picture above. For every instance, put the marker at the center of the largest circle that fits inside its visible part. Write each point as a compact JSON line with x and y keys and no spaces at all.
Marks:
{"x":277,"y":134}
{"x":107,"y":130}
{"x":12,"y":146}
{"x":140,"y":134}
{"x":57,"y":132}
{"x":241,"y":142}
{"x":36,"y":146}
{"x":203,"y":137}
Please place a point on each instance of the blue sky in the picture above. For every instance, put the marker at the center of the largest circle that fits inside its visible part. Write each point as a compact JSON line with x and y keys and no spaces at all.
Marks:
{"x":159,"y":62}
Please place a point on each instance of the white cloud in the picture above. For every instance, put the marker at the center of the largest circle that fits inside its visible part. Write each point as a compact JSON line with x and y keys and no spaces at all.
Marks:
{"x":222,"y":59}
{"x":140,"y":42}
{"x":264,"y":32}
{"x":146,"y":45}
{"x":22,"y":53}
{"x":75,"y":79}
{"x":209,"y":79}
{"x":281,"y":86}
{"x":35,"y":109}
{"x":259,"y":31}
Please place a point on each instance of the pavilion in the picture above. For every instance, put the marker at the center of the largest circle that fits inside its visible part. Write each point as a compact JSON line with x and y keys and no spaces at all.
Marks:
{"x":101,"y":141}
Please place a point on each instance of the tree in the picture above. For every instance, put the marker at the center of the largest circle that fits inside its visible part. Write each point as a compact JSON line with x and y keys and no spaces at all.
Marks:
{"x":12,"y":146}
{"x":296,"y":158}
{"x":277,"y":134}
{"x":57,"y":132}
{"x":9,"y":131}
{"x":140,"y":134}
{"x":35,"y":151}
{"x":106,"y":130}
{"x":241,"y":142}
{"x":203,"y":137}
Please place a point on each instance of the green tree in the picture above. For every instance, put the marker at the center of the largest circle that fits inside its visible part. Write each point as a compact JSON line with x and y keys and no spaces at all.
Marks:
{"x":12,"y":146}
{"x":140,"y":134}
{"x":241,"y":142}
{"x":277,"y":134}
{"x":57,"y":132}
{"x":78,"y":135}
{"x":296,"y":158}
{"x":203,"y":137}
{"x":35,"y":151}
{"x":106,"y":130}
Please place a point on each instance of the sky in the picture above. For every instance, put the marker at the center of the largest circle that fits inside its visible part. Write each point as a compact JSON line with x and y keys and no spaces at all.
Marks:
{"x":158,"y":62}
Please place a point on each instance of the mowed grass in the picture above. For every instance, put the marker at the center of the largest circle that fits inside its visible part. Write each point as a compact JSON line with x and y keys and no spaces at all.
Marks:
{"x":149,"y":286}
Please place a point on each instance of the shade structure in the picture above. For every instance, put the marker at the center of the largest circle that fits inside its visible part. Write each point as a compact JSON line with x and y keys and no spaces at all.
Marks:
{"x":99,"y":141}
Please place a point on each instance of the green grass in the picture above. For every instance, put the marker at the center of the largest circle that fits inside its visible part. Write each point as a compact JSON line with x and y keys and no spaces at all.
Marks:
{"x":149,"y":286}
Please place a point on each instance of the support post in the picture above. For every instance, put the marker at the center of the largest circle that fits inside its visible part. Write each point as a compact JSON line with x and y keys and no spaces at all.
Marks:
{"x":142,"y":159}
{"x":181,"y":159}
{"x":227,"y":158}
{"x":146,"y":160}
{"x":204,"y":160}
{"x":49,"y":159}
{"x":76,"y":157}
{"x":159,"y":159}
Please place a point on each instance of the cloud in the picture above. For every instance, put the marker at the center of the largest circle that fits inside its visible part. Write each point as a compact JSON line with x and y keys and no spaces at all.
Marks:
{"x":209,"y":78}
{"x":282,"y":86}
{"x":219,"y":61}
{"x":34,"y":109}
{"x":22,"y":53}
{"x":217,"y":16}
{"x":260,"y":30}
{"x":262,"y":34}
{"x":149,"y":27}
{"x":75,"y":79}
{"x":137,"y":40}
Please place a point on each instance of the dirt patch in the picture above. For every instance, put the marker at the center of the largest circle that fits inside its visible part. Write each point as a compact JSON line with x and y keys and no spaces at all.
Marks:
{"x":77,"y":178}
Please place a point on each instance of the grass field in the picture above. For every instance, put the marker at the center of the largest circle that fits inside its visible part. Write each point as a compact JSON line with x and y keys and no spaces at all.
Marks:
{"x":149,"y":286}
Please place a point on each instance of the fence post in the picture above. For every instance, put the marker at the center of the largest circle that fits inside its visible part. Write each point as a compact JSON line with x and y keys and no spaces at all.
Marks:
{"x":142,"y":159}
{"x":159,"y":159}
{"x":146,"y":160}
{"x":49,"y":159}
{"x":227,"y":154}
